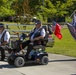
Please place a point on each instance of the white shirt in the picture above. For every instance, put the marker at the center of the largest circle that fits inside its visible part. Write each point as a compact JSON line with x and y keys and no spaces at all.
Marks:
{"x":6,"y":37}
{"x":42,"y":33}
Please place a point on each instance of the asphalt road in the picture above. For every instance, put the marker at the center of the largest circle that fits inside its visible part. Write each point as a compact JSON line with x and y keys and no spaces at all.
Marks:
{"x":58,"y":65}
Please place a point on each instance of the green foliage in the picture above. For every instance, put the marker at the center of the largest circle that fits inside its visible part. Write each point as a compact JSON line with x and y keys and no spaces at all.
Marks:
{"x":56,"y":9}
{"x":39,"y":16}
{"x":68,"y":19}
{"x":48,"y":9}
{"x":35,"y":6}
{"x":5,"y":8}
{"x":40,"y":8}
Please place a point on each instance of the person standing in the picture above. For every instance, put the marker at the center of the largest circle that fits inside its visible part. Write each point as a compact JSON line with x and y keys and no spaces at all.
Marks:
{"x":4,"y":40}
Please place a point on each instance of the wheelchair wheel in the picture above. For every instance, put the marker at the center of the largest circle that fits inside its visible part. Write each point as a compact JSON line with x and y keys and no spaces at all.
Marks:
{"x":19,"y":62}
{"x":44,"y":60}
{"x":10,"y":62}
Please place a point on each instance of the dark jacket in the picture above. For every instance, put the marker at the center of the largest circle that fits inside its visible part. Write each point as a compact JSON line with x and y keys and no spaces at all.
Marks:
{"x":37,"y":34}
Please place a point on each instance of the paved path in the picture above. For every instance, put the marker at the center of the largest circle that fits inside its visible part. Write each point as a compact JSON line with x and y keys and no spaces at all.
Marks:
{"x":58,"y":65}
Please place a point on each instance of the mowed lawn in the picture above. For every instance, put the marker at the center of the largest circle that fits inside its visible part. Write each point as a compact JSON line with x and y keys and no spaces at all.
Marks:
{"x":65,"y":46}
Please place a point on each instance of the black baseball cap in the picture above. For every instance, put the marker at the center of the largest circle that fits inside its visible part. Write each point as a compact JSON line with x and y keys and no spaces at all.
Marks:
{"x":1,"y":25}
{"x":38,"y":22}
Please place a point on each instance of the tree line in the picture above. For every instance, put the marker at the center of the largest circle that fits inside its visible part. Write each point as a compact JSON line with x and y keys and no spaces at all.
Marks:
{"x":46,"y":10}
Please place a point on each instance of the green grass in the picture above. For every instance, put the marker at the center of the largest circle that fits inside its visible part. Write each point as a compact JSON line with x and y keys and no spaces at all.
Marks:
{"x":65,"y":46}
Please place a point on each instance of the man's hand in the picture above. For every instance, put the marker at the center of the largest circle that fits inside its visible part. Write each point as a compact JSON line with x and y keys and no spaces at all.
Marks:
{"x":33,"y":39}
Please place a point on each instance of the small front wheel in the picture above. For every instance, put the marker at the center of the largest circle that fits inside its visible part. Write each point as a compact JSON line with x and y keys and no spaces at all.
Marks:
{"x":19,"y":62}
{"x":44,"y":60}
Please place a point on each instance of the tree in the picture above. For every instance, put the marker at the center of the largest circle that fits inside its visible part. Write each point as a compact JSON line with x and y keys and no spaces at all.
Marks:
{"x":40,"y":8}
{"x":58,"y":8}
{"x":22,"y":9}
{"x":5,"y":8}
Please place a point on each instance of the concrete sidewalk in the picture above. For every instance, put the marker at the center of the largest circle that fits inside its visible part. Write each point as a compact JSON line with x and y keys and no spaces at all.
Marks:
{"x":58,"y":65}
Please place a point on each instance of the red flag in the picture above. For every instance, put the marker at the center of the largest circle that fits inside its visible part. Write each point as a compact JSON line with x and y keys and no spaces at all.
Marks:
{"x":57,"y":31}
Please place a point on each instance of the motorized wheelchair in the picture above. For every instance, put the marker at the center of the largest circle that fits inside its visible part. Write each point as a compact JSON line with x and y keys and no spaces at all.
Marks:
{"x":37,"y":55}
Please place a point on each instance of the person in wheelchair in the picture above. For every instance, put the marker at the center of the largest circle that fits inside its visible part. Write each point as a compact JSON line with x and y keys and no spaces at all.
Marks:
{"x":35,"y":37}
{"x":4,"y":40}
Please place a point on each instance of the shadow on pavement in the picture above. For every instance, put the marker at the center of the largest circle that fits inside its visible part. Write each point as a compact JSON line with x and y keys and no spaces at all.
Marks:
{"x":6,"y":66}
{"x":64,"y":60}
{"x":35,"y":64}
{"x":12,"y":66}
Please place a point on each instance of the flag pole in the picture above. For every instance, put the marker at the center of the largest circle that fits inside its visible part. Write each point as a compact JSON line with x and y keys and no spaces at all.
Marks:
{"x":72,"y":13}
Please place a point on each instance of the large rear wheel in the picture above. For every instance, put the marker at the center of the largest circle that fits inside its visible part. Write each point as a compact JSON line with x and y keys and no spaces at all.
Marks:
{"x":44,"y":60}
